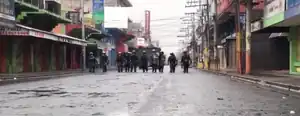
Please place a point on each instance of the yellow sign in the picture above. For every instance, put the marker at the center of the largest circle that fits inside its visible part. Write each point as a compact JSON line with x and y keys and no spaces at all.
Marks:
{"x":88,"y":20}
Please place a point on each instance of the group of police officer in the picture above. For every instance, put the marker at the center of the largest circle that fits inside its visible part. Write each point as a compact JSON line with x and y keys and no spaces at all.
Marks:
{"x":93,"y":63}
{"x":130,"y":61}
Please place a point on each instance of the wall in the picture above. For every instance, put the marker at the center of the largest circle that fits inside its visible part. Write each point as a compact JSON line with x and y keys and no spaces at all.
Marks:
{"x":294,"y":50}
{"x":110,"y":2}
{"x":122,"y":3}
{"x":70,"y":5}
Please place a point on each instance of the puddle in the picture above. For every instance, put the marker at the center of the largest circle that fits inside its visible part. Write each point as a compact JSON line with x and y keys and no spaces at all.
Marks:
{"x":39,"y":92}
{"x":131,"y":83}
{"x":101,"y":94}
{"x":98,"y":114}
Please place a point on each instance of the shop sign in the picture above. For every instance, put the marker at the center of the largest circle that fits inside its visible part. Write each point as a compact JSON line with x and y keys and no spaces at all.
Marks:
{"x":89,"y":21}
{"x":61,"y":39}
{"x":292,"y":3}
{"x":273,"y":7}
{"x":256,"y":26}
{"x":7,"y":13}
{"x":293,"y":9}
{"x":38,"y":34}
{"x":16,"y":31}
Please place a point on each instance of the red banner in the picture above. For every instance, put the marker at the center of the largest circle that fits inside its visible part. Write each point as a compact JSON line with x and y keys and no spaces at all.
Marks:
{"x":147,"y":23}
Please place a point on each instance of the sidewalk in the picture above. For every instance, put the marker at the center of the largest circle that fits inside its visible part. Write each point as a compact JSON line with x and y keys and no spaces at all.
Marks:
{"x":275,"y":80}
{"x":36,"y":76}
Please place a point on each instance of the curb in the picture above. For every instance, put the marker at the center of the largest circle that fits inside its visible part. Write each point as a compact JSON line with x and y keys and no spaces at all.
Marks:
{"x":40,"y":78}
{"x":251,"y":79}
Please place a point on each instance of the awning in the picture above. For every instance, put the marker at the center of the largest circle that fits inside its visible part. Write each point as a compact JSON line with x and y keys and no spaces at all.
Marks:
{"x":90,"y":32}
{"x":257,"y":27}
{"x":230,"y":37}
{"x":275,"y":35}
{"x":21,"y":30}
{"x":129,"y":37}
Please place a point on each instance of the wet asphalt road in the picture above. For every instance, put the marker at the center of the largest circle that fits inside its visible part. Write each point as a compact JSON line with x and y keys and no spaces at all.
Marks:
{"x":139,"y":94}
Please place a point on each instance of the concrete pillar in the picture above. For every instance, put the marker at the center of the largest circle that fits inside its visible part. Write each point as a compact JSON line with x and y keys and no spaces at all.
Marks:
{"x":64,"y":61}
{"x":248,"y":37}
{"x":52,"y":57}
{"x":32,"y":57}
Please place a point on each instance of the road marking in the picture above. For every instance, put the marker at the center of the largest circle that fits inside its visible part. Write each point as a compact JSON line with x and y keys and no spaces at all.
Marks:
{"x":143,"y":97}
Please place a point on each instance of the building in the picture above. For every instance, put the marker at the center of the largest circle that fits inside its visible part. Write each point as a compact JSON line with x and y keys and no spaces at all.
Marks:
{"x":33,"y":45}
{"x":7,"y":13}
{"x":283,"y":23}
{"x":227,"y":45}
{"x":136,"y":29}
{"x":120,"y":36}
{"x":118,"y":3}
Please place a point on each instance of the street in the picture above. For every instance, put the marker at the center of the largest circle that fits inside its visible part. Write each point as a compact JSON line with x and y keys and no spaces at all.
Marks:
{"x":144,"y":94}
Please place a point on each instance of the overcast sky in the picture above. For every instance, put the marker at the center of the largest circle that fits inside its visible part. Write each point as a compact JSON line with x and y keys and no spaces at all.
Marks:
{"x":165,"y":20}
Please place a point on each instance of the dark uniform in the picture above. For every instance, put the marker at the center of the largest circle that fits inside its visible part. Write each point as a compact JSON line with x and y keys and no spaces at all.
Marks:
{"x":92,"y":62}
{"x":104,"y":62}
{"x":127,"y":62}
{"x":134,"y":62}
{"x":185,"y":61}
{"x":172,"y":62}
{"x":119,"y":61}
{"x":154,"y":62}
{"x":144,"y":62}
{"x":161,"y":64}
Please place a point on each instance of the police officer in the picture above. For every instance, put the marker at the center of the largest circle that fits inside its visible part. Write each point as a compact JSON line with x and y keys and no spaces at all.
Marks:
{"x":161,"y":64}
{"x":172,"y":62}
{"x":104,"y":62}
{"x":119,"y":61}
{"x":134,"y":62}
{"x":185,"y":61}
{"x":154,"y":62}
{"x":92,"y":62}
{"x":123,"y":56}
{"x":126,"y":61}
{"x":144,"y":62}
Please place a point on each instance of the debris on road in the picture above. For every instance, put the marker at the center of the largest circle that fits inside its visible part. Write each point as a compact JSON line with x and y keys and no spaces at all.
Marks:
{"x":220,"y":98}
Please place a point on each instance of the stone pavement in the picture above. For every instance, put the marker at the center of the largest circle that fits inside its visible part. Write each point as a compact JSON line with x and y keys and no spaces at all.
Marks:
{"x":200,"y":93}
{"x":36,"y":76}
{"x":275,"y":80}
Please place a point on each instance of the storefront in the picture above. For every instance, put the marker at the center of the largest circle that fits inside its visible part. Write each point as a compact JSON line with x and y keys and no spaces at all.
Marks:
{"x":274,"y":12}
{"x":24,"y":49}
{"x":292,"y":19}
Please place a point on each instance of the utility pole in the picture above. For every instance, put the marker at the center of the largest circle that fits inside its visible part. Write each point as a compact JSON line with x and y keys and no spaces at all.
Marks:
{"x":248,"y":36}
{"x":193,"y":40}
{"x":83,"y":34}
{"x":195,"y":3}
{"x":207,"y":35}
{"x":215,"y":19}
{"x":238,"y":37}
